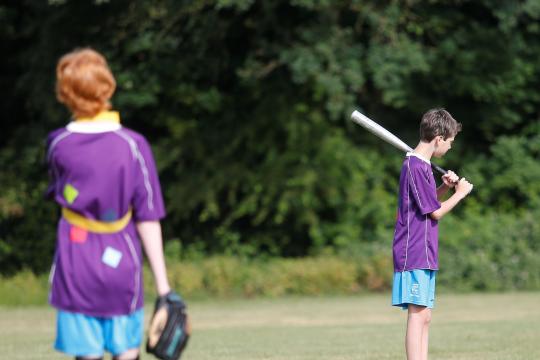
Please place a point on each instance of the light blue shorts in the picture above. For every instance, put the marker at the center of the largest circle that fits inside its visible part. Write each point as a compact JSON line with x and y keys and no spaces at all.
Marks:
{"x":415,"y":287}
{"x":82,"y":335}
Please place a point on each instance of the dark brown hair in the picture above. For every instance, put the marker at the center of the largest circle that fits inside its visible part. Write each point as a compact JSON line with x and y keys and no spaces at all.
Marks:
{"x":437,"y":122}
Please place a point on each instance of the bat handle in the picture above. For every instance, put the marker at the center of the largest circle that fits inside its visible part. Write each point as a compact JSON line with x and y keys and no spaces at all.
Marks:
{"x":438,"y":168}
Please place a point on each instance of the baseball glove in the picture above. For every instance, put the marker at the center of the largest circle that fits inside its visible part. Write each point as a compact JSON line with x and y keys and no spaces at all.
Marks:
{"x":169,"y":329}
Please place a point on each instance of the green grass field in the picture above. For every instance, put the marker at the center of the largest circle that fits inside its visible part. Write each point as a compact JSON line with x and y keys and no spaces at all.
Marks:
{"x":472,"y":326}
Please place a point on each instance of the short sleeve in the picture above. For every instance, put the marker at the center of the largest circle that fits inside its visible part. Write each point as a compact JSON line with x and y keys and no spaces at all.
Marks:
{"x":52,"y":140}
{"x":423,"y":189}
{"x":147,"y":199}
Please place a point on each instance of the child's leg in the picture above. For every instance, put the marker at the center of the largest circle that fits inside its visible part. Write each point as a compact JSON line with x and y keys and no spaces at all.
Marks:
{"x":131,"y":354}
{"x":425,"y":334}
{"x":416,"y":341}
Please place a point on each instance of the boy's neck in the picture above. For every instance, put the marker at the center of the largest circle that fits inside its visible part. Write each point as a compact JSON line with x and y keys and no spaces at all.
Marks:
{"x":425,"y":149}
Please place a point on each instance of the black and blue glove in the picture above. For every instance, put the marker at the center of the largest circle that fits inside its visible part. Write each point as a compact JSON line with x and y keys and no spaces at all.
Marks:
{"x":169,"y":329}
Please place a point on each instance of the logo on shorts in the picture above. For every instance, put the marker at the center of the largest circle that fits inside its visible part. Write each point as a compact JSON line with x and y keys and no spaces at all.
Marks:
{"x":415,"y":290}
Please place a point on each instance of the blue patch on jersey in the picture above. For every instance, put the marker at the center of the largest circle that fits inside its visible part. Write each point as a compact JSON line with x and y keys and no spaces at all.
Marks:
{"x":109,"y":216}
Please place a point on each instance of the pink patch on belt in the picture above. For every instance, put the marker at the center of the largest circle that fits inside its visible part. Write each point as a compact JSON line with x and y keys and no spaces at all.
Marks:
{"x":77,"y":234}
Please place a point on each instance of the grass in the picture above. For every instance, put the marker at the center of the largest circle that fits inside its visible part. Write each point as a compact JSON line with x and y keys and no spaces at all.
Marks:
{"x":471,"y":326}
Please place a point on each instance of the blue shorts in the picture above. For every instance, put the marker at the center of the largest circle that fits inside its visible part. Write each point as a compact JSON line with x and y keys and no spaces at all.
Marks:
{"x":82,"y":335}
{"x":415,"y":287}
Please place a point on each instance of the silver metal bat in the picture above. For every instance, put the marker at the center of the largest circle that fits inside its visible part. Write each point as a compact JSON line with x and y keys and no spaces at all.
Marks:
{"x":385,"y":135}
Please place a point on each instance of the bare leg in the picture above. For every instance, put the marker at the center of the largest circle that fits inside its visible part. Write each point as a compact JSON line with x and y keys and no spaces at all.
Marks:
{"x":131,"y":354}
{"x":416,"y":325}
{"x":425,"y":334}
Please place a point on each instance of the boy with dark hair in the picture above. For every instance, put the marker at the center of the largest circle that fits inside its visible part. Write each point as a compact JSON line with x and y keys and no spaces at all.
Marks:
{"x":415,"y":245}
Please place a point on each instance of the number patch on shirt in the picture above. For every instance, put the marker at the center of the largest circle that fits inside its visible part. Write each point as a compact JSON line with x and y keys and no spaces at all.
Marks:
{"x":70,"y":193}
{"x":111,"y":257}
{"x":77,"y":234}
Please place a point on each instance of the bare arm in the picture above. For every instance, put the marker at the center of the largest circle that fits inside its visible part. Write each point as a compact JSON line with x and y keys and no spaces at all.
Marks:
{"x":463,"y":188}
{"x":441,"y":191}
{"x":150,"y":234}
{"x":446,"y":206}
{"x":450,"y":179}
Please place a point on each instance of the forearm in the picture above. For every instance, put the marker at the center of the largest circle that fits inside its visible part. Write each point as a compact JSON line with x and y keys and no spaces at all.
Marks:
{"x":441,"y":191}
{"x":150,"y":234}
{"x":446,"y":206}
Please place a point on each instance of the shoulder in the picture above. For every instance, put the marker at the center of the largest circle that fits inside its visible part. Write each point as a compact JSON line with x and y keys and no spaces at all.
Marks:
{"x":51,"y":136}
{"x":131,"y":135}
{"x":418,"y":170}
{"x":136,"y":140}
{"x":54,"y":138}
{"x":417,"y":165}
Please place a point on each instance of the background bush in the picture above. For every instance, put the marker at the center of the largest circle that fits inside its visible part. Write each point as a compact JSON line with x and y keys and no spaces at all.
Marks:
{"x":247,"y":106}
{"x":501,"y":256}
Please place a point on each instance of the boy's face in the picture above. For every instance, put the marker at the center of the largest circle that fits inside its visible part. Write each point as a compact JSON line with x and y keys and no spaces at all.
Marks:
{"x":442,"y":146}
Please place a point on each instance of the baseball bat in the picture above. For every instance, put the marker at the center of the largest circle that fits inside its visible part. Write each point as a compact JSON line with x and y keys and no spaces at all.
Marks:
{"x":385,"y":135}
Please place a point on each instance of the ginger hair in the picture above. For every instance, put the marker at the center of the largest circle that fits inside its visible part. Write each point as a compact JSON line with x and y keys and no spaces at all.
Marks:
{"x":84,"y":82}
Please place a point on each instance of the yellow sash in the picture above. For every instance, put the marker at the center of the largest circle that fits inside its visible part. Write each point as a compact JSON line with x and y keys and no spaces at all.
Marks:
{"x":96,"y":226}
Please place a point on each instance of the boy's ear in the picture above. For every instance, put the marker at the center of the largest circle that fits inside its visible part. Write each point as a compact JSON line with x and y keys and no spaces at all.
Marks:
{"x":436,"y":140}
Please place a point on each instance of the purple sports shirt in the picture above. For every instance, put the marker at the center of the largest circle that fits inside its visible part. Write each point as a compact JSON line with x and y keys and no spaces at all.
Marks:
{"x":416,"y":239}
{"x":100,"y":170}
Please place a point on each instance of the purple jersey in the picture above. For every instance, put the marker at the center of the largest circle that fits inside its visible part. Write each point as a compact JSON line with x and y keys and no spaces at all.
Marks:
{"x":102,"y":171}
{"x":416,"y":236}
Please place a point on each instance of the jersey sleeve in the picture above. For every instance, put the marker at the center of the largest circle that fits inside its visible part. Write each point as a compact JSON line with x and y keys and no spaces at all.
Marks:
{"x":50,"y":192}
{"x":423,"y":190}
{"x":147,"y":199}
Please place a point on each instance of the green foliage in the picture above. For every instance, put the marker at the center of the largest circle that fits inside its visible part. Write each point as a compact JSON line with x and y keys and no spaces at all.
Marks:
{"x":24,"y":288}
{"x":230,"y":276}
{"x":490,"y":251}
{"x":223,"y":276}
{"x":247,"y":103}
{"x":507,"y":180}
{"x":502,"y":255}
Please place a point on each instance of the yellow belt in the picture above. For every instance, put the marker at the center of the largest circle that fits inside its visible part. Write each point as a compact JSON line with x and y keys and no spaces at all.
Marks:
{"x":96,"y":226}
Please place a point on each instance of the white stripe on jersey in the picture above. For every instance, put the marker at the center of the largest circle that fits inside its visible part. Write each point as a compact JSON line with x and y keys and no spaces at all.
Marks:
{"x":425,"y":240}
{"x":56,"y":140}
{"x":412,"y":179}
{"x":407,"y":243}
{"x":137,"y":155}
